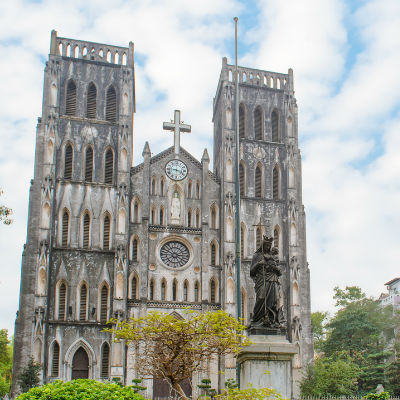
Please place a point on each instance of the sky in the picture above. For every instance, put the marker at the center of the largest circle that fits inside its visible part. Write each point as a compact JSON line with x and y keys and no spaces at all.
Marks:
{"x":346,"y":61}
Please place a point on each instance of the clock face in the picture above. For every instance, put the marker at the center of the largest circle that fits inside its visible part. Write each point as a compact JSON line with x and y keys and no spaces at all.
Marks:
{"x":176,"y":170}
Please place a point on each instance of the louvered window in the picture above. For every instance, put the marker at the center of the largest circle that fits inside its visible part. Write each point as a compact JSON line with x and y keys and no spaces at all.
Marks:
{"x":197,"y":190}
{"x":134,"y":250}
{"x":105,"y":362}
{"x":197,"y":219}
{"x":65,"y":226}
{"x":196,"y":291}
{"x":89,"y":165}
{"x":258,"y":185}
{"x":185,"y":291}
{"x":55,"y":363}
{"x":163,"y":290}
{"x":241,"y":179}
{"x":153,"y":186}
{"x":106,"y":233}
{"x":104,"y":304}
{"x":86,"y":230}
{"x":242,"y":132}
{"x":189,"y":222}
{"x":151,"y":294}
{"x":212,"y":290}
{"x":276,"y":238}
{"x":83,"y":303}
{"x":111,"y":105}
{"x":242,"y":242}
{"x":275,"y":126}
{"x":258,"y":237}
{"x":109,"y":167}
{"x":91,"y":101}
{"x":134,"y":288}
{"x":161,"y":216}
{"x":189,"y":190}
{"x":213,"y":254}
{"x":174,"y":291}
{"x":62,"y":292}
{"x":258,"y":124}
{"x":162,"y":187}
{"x":275,"y":184}
{"x":70,"y":101}
{"x":68,"y":162}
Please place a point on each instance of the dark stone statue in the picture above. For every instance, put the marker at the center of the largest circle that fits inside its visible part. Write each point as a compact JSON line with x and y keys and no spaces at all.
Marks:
{"x":268,"y":316}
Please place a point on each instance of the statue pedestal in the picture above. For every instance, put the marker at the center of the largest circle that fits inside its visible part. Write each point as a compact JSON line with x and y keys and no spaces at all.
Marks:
{"x":268,"y":363}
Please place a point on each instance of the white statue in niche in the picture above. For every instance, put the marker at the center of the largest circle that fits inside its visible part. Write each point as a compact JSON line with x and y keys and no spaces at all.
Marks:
{"x":175,"y":208}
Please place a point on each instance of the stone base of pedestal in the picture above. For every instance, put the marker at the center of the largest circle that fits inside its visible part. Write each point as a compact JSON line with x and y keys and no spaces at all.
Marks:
{"x":268,"y":363}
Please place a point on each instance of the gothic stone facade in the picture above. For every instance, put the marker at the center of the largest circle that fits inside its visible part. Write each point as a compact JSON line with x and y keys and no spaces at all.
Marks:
{"x":105,"y":239}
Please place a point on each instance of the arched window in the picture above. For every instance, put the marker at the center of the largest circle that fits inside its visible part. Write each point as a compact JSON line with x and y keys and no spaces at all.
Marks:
{"x":196,"y":291}
{"x":109,"y":167}
{"x":83,"y":295}
{"x":242,"y":179}
{"x":134,"y":288}
{"x":68,"y":162}
{"x":242,"y":128}
{"x":65,"y":229}
{"x":136,"y":211}
{"x":197,"y":190}
{"x":62,"y":301}
{"x":213,"y":291}
{"x":104,"y":304}
{"x":153,"y":216}
{"x":55,"y":361}
{"x":213,"y":249}
{"x":151,"y":290}
{"x":258,"y":237}
{"x":275,"y":126}
{"x":258,"y":182}
{"x":111,"y":105}
{"x":153,"y":185}
{"x":162,"y":185}
{"x":258,"y":134}
{"x":89,"y":164}
{"x":86,"y":230}
{"x":70,"y":100}
{"x":91,"y":101}
{"x":275,"y":183}
{"x":189,"y":218}
{"x":161,"y":216}
{"x":276,"y":237}
{"x":197,"y":218}
{"x":174,"y":290}
{"x":214,"y":216}
{"x":105,"y":362}
{"x":135,"y":250}
{"x":106,"y":232}
{"x":189,"y":193}
{"x":185,"y":290}
{"x":163,"y":289}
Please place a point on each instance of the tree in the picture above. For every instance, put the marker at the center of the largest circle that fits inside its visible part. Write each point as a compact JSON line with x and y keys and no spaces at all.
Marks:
{"x":250,"y":393}
{"x":174,"y":349}
{"x":318,"y":326}
{"x":81,"y":389}
{"x":330,"y":376}
{"x":348,"y":295}
{"x":29,"y":377}
{"x":5,"y":213}
{"x":6,"y":349}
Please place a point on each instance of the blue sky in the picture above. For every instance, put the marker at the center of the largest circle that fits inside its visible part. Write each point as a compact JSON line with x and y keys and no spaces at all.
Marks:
{"x":346,"y":61}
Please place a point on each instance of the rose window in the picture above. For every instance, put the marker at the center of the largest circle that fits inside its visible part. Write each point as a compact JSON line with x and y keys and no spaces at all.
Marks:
{"x":174,"y":254}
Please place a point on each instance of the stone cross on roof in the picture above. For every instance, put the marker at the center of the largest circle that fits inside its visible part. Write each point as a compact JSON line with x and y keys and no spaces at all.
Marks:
{"x":177,"y":126}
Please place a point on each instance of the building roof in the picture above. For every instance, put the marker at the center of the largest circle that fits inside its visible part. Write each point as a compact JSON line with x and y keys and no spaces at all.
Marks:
{"x":392,"y":281}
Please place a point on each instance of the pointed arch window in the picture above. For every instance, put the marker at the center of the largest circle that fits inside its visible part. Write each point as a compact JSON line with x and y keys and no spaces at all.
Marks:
{"x":162,"y":184}
{"x":136,"y":211}
{"x":106,"y":233}
{"x":197,"y":218}
{"x":83,"y":295}
{"x":275,"y":126}
{"x":135,"y":250}
{"x":258,"y":124}
{"x":65,"y":229}
{"x":185,"y":291}
{"x":104,"y":304}
{"x":111,"y":104}
{"x":62,"y":294}
{"x":163,"y":290}
{"x":258,"y":237}
{"x":134,"y":288}
{"x":196,"y":291}
{"x":242,"y":179}
{"x":109,"y":167}
{"x":152,"y":215}
{"x":89,"y":164}
{"x":258,"y":182}
{"x":161,"y":216}
{"x":91,"y":101}
{"x":189,"y":218}
{"x":213,"y":293}
{"x":86,"y":230}
{"x":214,"y":216}
{"x":242,"y":129}
{"x":189,"y":194}
{"x":153,"y":185}
{"x":276,"y":237}
{"x":275,"y":183}
{"x":197,"y":190}
{"x":213,"y":249}
{"x":55,"y":361}
{"x":105,"y":362}
{"x":151,"y":290}
{"x":70,"y":100}
{"x":174,"y":290}
{"x":68,"y":161}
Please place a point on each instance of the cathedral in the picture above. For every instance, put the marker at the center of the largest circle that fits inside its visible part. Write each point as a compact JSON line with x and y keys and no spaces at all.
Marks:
{"x":108,"y":239}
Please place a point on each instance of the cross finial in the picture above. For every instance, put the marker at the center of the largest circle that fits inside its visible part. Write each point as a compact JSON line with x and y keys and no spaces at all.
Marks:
{"x":177,"y":126}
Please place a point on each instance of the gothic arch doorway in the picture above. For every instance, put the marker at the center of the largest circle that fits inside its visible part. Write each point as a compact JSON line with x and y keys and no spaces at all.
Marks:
{"x":80,"y":364}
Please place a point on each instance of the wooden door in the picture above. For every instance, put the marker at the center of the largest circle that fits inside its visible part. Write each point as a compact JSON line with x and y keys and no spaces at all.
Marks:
{"x":80,"y":364}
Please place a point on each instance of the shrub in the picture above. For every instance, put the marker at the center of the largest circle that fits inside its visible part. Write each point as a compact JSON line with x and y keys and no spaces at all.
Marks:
{"x":86,"y":389}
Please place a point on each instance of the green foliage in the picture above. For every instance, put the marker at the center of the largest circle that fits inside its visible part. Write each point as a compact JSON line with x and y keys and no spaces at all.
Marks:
{"x":231,"y":384}
{"x":6,"y":351}
{"x":205,"y":386}
{"x":348,"y":295}
{"x":330,"y":376}
{"x":84,"y":389}
{"x":29,"y":377}
{"x":249,"y":393}
{"x":4,"y":387}
{"x":392,"y":373}
{"x":377,"y":396}
{"x":136,"y":385}
{"x":5,"y":213}
{"x":318,"y":320}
